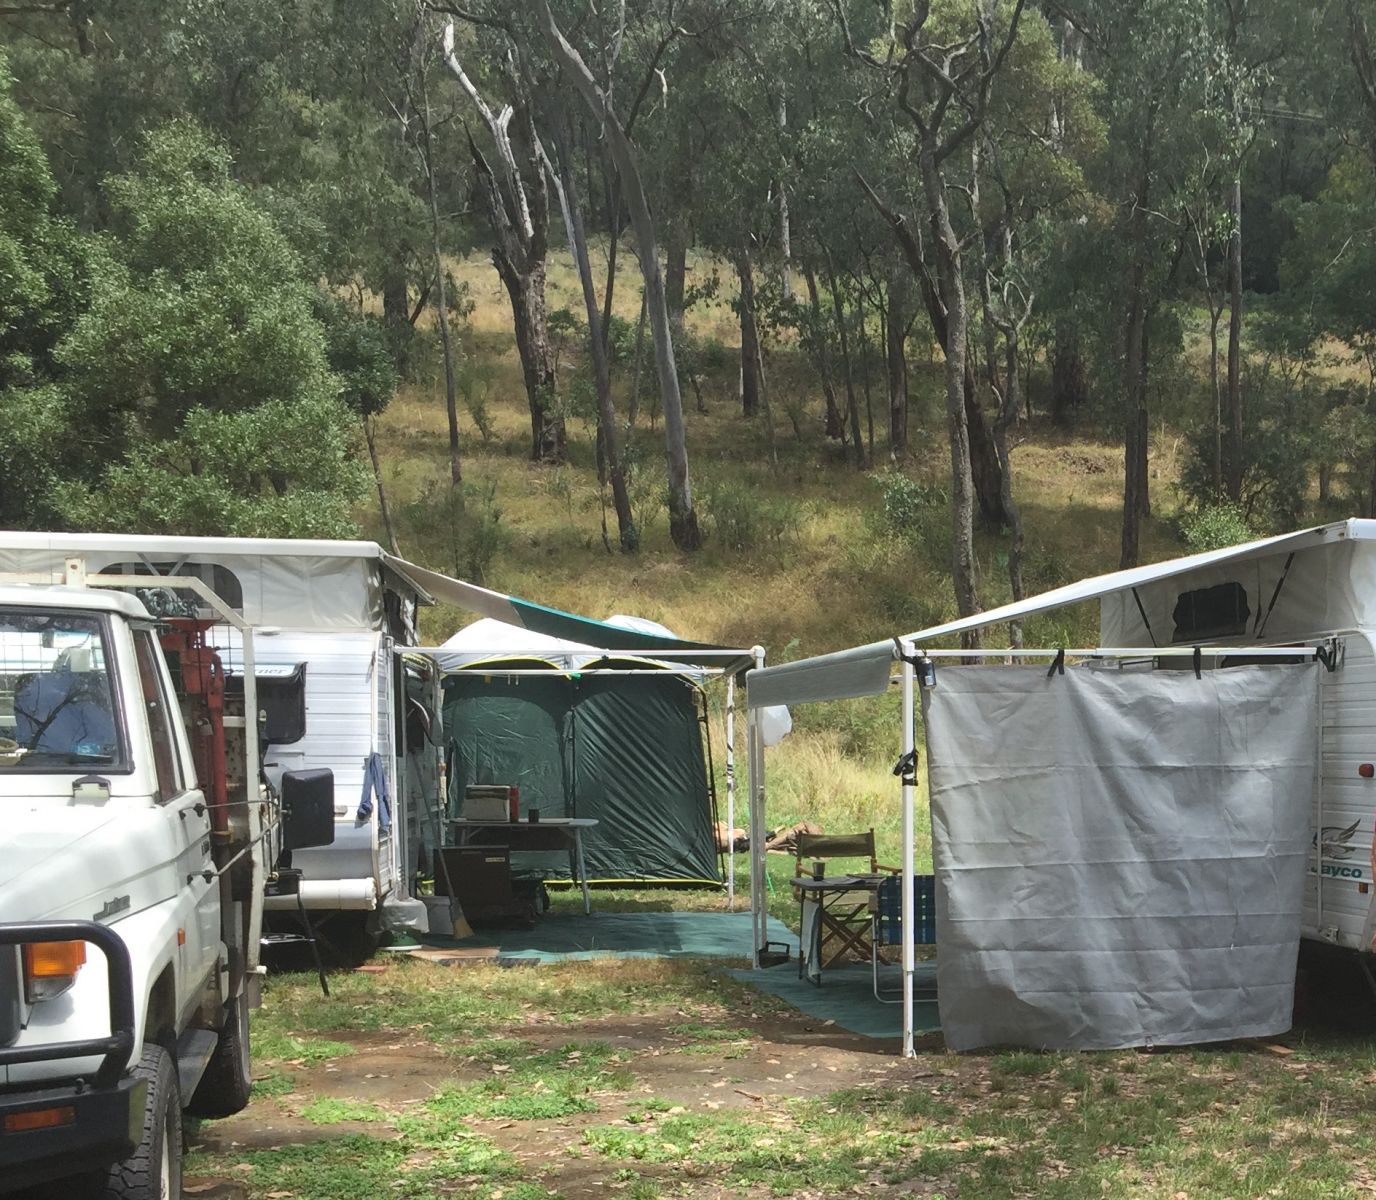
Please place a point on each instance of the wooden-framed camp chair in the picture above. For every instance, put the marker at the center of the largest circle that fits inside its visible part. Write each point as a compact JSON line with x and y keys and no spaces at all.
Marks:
{"x":887,"y":927}
{"x":843,"y":911}
{"x":823,"y":847}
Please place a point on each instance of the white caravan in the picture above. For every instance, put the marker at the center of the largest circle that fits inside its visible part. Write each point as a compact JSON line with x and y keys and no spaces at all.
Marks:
{"x":1313,"y":591}
{"x":328,"y":618}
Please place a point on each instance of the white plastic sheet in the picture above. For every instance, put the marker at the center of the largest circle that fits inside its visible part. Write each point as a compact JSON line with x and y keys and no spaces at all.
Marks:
{"x":1120,"y":855}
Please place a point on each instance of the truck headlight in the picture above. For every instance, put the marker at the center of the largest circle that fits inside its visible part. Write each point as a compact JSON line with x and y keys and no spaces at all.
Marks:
{"x":50,"y":968}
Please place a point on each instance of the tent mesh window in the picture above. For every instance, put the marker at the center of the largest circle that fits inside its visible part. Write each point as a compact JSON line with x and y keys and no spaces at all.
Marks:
{"x":1211,"y":612}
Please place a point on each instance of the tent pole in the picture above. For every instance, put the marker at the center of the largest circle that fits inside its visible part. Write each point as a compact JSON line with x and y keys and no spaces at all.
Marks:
{"x":756,"y":847}
{"x":731,"y":793}
{"x":909,"y":908}
{"x":754,"y":759}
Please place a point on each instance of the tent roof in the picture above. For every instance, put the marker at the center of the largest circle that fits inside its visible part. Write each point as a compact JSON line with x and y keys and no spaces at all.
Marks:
{"x":488,"y":637}
{"x":489,"y":642}
{"x":865,"y":670}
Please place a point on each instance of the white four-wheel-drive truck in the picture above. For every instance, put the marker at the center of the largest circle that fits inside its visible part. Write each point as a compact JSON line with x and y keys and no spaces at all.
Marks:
{"x":136,"y":836}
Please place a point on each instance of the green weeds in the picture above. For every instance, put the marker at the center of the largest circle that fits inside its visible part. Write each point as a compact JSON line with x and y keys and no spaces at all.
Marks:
{"x":326,"y":1110}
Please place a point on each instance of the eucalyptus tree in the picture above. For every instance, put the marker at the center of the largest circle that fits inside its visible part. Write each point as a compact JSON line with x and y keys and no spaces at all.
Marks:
{"x":1326,"y":271}
{"x":938,"y":69}
{"x":610,"y":462}
{"x":1027,"y":180}
{"x":304,"y":97}
{"x":515,"y":196}
{"x":44,"y":287}
{"x":727,"y":98}
{"x":193,"y":391}
{"x":599,"y":96}
{"x":1152,"y":59}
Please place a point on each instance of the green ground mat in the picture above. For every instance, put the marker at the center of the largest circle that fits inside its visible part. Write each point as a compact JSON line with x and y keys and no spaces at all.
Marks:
{"x":847,"y":997}
{"x":627,"y":935}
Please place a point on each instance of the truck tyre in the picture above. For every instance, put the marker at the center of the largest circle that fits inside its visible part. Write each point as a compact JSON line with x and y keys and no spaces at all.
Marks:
{"x":225,"y":1087}
{"x":154,"y":1170}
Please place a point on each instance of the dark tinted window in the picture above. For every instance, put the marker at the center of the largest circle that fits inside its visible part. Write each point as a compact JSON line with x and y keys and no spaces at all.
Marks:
{"x":1212,"y":612}
{"x":158,"y":704}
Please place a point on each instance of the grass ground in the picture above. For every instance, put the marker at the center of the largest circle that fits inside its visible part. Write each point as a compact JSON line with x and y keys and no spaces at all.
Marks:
{"x":659,"y":1079}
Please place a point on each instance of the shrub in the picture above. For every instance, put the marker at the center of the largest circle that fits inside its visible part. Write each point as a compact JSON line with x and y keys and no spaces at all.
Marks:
{"x":1213,"y":526}
{"x":621,"y":340}
{"x":474,"y":382}
{"x":742,"y":519}
{"x":907,"y":502}
{"x":914,"y":515}
{"x":466,"y":519}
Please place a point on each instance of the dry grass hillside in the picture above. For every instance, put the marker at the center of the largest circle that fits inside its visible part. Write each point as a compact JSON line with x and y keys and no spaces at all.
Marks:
{"x":799,"y":558}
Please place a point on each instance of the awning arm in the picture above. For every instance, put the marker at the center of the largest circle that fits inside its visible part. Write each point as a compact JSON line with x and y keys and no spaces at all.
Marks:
{"x":1314,"y":651}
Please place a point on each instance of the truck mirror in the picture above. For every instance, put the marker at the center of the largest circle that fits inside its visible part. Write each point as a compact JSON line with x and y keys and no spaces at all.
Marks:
{"x":307,"y":809}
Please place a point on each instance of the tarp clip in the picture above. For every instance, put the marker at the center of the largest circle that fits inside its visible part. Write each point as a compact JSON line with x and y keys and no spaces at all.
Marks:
{"x":1058,"y":665}
{"x":906,"y":768}
{"x":926,"y":668}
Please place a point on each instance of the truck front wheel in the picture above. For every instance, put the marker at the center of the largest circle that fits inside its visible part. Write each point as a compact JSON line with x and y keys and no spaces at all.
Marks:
{"x":154,"y":1170}
{"x":224,"y":1088}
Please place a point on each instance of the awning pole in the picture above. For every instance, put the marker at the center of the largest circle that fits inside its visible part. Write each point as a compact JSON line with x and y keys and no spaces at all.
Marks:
{"x":909,"y":908}
{"x":754,"y":758}
{"x":731,"y":793}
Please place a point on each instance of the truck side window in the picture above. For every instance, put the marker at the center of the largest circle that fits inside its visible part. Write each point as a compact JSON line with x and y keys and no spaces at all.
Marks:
{"x":157,"y":704}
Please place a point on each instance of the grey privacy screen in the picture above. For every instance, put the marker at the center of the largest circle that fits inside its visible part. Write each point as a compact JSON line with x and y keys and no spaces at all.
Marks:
{"x":1120,"y":854}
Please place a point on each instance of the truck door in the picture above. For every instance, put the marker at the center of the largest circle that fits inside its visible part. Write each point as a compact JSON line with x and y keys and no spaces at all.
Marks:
{"x":188,"y":821}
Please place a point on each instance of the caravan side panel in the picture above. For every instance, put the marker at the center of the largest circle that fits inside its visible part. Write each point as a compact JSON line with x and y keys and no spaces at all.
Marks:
{"x":341,"y":731}
{"x":1339,"y":893}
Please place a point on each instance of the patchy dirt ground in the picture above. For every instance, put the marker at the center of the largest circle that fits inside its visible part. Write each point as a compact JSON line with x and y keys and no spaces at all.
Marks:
{"x":780,"y":1057}
{"x":649,"y":1080}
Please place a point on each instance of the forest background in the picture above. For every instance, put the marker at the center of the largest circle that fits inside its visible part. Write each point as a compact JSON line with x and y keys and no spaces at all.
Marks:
{"x":799,"y":322}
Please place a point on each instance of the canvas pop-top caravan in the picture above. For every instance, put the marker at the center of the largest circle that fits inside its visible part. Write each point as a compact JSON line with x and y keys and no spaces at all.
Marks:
{"x":328,"y":617}
{"x":1316,"y":587}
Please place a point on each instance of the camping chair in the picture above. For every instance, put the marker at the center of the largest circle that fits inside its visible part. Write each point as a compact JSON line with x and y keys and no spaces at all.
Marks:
{"x":888,"y":925}
{"x":813,"y":847}
{"x":842,"y":913}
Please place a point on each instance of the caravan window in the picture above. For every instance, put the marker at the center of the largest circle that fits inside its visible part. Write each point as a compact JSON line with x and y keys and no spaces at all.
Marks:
{"x":221,"y":580}
{"x":1212,"y":612}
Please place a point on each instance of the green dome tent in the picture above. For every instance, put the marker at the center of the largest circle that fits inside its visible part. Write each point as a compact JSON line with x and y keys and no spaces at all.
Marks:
{"x":582,"y":737}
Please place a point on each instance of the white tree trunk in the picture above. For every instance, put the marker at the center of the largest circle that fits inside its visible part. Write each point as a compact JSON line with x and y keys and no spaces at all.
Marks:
{"x":683,"y":522}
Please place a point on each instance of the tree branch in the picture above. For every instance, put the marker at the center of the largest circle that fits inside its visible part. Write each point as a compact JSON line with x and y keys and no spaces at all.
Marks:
{"x":992,"y":66}
{"x":469,"y":16}
{"x":497,"y":125}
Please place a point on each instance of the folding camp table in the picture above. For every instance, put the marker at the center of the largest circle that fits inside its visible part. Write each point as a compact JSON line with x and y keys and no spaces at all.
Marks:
{"x":835,"y":919}
{"x":548,"y":833}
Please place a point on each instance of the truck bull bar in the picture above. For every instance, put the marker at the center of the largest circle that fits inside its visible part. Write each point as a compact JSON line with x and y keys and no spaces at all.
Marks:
{"x":117,"y":1048}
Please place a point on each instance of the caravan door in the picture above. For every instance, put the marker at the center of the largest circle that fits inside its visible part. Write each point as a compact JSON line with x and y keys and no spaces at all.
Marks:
{"x":1338,"y":897}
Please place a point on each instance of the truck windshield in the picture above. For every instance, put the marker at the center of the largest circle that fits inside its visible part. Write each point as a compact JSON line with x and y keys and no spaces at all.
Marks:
{"x":57,"y":710}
